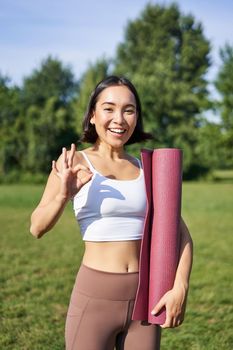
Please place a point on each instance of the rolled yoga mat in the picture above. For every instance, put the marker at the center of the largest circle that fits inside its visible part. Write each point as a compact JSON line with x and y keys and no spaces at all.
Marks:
{"x":160,"y":246}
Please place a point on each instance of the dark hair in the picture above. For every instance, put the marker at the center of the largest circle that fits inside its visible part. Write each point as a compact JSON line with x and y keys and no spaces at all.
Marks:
{"x":89,"y":133}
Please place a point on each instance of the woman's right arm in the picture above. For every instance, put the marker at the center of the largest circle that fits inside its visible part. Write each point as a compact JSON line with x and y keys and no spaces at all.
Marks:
{"x":64,"y":181}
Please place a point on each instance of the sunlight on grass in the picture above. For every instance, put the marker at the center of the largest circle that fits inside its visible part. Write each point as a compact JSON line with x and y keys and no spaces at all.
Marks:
{"x":37,"y":276}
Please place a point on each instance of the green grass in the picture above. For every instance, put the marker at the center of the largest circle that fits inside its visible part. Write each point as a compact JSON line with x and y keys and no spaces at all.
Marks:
{"x":37,"y":276}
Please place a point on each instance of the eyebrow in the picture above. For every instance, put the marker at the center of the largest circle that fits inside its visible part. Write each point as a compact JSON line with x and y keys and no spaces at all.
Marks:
{"x":113,"y":104}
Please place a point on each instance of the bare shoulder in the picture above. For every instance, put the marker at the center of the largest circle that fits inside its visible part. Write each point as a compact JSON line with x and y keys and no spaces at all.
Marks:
{"x":133,"y":160}
{"x":89,"y":151}
{"x":79,"y":158}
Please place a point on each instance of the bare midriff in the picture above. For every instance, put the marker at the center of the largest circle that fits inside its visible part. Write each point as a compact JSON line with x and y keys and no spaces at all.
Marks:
{"x":114,"y":256}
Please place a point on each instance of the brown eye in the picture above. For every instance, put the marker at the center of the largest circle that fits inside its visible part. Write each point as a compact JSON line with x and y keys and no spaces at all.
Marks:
{"x":129,"y":111}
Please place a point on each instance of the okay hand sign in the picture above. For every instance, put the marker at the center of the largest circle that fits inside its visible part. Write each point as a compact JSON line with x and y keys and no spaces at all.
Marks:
{"x":72,"y":177}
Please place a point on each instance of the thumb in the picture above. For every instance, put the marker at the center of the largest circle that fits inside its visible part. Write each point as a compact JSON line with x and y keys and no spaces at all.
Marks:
{"x":85,"y":179}
{"x":81,"y":167}
{"x":158,"y":306}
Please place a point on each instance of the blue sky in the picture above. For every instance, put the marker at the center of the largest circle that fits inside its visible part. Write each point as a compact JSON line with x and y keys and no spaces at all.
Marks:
{"x":80,"y":31}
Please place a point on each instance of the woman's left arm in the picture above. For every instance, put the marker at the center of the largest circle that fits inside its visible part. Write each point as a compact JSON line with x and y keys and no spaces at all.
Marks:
{"x":175,"y":299}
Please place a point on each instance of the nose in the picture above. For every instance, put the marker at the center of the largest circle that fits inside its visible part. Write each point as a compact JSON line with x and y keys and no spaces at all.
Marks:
{"x":118,"y":117}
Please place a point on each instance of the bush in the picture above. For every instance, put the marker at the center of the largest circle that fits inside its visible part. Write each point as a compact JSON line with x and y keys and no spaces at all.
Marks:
{"x":15,"y":176}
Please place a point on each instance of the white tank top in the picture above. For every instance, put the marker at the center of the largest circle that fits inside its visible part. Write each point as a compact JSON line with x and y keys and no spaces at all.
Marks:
{"x":111,"y":210}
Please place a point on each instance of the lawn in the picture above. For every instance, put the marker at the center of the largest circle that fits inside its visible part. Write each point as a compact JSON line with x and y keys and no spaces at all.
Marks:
{"x":37,"y":275}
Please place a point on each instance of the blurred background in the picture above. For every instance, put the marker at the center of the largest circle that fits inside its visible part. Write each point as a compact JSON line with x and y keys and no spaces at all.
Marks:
{"x":179,"y":55}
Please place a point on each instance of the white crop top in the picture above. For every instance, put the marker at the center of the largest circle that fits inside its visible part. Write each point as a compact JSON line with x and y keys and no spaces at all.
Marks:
{"x":111,"y":210}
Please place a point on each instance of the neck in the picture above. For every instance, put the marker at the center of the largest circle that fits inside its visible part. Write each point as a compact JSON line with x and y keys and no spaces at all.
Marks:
{"x":109,"y":151}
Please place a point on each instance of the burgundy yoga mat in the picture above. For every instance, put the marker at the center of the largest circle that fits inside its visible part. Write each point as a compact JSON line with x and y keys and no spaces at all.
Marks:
{"x":161,"y":235}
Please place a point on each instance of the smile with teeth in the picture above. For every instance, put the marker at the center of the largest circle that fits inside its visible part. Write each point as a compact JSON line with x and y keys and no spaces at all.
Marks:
{"x":118,"y":131}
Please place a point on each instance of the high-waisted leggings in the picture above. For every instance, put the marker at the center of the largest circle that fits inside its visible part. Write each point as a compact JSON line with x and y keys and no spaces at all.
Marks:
{"x":100,"y":310}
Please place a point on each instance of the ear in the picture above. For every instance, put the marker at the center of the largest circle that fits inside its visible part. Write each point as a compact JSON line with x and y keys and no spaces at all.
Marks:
{"x":92,"y":120}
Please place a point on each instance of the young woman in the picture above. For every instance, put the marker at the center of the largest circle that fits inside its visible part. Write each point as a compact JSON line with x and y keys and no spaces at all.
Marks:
{"x":106,"y":186}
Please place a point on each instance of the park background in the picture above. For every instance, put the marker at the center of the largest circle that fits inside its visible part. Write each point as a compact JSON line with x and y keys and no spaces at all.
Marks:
{"x":180,"y":57}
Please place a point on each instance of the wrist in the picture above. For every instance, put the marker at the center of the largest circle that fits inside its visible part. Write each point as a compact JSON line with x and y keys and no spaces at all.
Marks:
{"x":181,"y":283}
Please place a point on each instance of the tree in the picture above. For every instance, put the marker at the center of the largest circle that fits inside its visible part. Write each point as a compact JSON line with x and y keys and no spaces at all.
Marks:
{"x":210,"y":145}
{"x":224,"y":85}
{"x":9,"y":122}
{"x":48,"y":130}
{"x":48,"y":117}
{"x":93,"y":75}
{"x":165,"y":54}
{"x":52,"y":79}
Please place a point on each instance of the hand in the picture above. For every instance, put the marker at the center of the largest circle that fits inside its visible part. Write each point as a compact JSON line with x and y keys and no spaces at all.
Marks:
{"x":72,"y":178}
{"x":175,"y":302}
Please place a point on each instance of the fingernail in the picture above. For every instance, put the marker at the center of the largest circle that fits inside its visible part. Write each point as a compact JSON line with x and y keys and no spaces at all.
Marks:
{"x":153,"y":312}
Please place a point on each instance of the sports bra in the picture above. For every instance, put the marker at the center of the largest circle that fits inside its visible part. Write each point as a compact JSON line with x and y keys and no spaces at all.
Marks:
{"x":109,"y":209}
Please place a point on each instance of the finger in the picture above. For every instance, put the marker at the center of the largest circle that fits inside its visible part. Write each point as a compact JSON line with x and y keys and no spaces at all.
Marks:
{"x":174,"y":322}
{"x":81,"y":167}
{"x":71,"y":155}
{"x":176,"y":317}
{"x":158,"y":306}
{"x":178,"y":322}
{"x":54,"y":166}
{"x":55,"y":169}
{"x":85,"y":179}
{"x":64,"y":158}
{"x":169,"y":319}
{"x":167,"y":323}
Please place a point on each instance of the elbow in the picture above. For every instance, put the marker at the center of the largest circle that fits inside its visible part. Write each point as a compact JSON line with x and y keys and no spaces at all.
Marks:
{"x":35,"y":228}
{"x":186,"y":236}
{"x":191,"y":242}
{"x":35,"y":231}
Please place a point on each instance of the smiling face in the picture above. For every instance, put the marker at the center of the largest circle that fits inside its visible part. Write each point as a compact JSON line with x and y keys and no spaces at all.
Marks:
{"x":115,"y":115}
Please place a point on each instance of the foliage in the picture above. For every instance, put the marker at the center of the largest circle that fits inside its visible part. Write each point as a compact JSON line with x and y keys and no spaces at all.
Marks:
{"x":47,"y":96}
{"x":52,"y":79}
{"x":48,"y":129}
{"x":224,"y":85}
{"x":166,"y":55}
{"x":9,"y":126}
{"x":93,"y":75}
{"x":210,"y":145}
{"x":37,"y":120}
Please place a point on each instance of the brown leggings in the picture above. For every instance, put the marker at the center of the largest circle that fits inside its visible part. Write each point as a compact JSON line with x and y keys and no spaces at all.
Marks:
{"x":100,"y":310}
